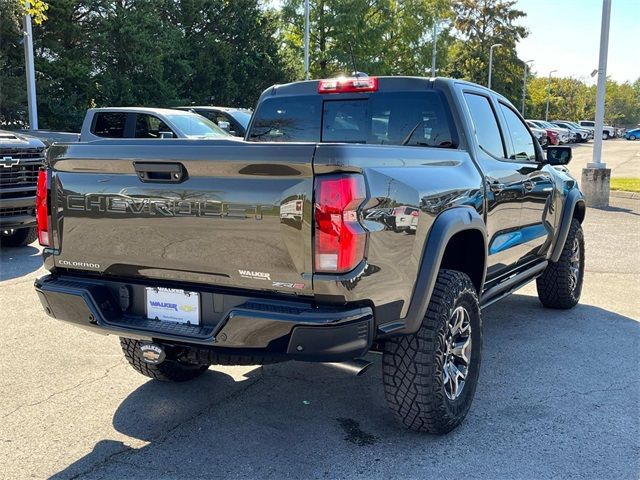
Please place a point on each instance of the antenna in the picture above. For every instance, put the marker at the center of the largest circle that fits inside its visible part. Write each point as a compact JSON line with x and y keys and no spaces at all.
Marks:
{"x":353,"y":61}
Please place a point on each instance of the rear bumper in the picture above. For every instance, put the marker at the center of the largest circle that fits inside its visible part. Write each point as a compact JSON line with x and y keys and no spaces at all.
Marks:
{"x":295,"y":329}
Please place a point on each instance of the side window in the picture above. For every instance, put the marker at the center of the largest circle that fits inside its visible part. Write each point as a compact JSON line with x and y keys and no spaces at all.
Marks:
{"x":149,"y":126}
{"x":524,"y":149}
{"x":486,"y":124}
{"x":109,"y":124}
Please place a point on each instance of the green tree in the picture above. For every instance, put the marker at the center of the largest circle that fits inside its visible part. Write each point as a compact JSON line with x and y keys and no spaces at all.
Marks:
{"x":480,"y":24}
{"x":388,"y":37}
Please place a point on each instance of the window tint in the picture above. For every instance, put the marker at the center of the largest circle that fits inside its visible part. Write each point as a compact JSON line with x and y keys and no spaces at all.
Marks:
{"x":149,"y":126}
{"x":109,"y":124}
{"x":524,"y":149}
{"x":485,"y":123}
{"x":288,"y":119}
{"x":393,"y":118}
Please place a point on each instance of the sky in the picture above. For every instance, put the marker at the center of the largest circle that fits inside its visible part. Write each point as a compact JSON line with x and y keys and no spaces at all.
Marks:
{"x":564,"y":35}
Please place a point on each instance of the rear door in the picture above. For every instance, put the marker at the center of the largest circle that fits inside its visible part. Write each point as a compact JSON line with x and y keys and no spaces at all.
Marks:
{"x":504,"y":184}
{"x":214,"y":212}
{"x":536,"y":218}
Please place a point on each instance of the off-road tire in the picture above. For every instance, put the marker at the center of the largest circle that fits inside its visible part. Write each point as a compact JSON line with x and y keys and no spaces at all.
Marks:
{"x":413,"y":364}
{"x":554,"y":285}
{"x":168,"y":371}
{"x":19,"y":238}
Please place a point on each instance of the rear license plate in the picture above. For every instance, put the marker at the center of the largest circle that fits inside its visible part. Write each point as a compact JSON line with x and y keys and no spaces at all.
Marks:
{"x":172,"y":305}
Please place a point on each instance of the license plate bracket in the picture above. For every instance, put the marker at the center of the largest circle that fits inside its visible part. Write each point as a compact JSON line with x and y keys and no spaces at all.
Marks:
{"x":173,"y":305}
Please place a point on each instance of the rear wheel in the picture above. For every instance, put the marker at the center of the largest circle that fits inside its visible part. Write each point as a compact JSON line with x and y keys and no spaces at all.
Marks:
{"x":170,"y":370}
{"x":605,"y":135}
{"x":18,"y":237}
{"x":560,"y":285}
{"x":430,"y":376}
{"x":632,"y":137}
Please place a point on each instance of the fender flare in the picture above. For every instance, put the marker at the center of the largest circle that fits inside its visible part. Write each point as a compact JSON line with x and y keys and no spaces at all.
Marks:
{"x":446,"y":225}
{"x":572,"y":200}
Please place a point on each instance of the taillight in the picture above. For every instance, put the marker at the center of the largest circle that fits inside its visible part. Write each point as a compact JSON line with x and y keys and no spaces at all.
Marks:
{"x":350,"y":84}
{"x":415,"y":213}
{"x":42,"y":214}
{"x":339,"y":238}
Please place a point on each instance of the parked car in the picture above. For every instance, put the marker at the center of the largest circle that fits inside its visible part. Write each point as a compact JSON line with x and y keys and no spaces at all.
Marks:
{"x":564,"y":134}
{"x":607,"y":130}
{"x":142,"y":122}
{"x":581,"y":134}
{"x":632,"y":134}
{"x":232,"y":120}
{"x":197,"y":267}
{"x":21,"y":157}
{"x":540,"y":134}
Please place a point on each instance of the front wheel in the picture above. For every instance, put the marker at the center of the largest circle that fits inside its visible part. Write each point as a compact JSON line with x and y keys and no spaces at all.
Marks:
{"x":560,"y":285}
{"x":170,"y":370}
{"x":430,"y":376}
{"x":605,"y":136}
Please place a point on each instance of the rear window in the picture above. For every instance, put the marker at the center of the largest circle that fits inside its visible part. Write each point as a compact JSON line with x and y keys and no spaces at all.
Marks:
{"x":109,"y":124}
{"x":391,"y":118}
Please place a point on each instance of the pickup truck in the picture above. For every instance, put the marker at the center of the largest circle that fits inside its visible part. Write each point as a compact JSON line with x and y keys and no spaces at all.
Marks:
{"x":116,"y":123}
{"x":21,"y":157}
{"x":607,"y":130}
{"x":276,"y":248}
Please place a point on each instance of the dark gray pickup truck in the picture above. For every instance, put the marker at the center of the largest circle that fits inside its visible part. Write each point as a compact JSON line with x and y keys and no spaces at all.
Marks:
{"x":282,"y":247}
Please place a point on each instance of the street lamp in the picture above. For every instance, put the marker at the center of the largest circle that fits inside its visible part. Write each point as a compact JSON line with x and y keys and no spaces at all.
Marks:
{"x":495,"y":45}
{"x":524,"y":84}
{"x":546,"y":115}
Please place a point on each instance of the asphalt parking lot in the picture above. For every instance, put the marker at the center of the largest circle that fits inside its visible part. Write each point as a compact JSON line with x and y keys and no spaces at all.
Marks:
{"x":621,"y":156}
{"x":559,"y":393}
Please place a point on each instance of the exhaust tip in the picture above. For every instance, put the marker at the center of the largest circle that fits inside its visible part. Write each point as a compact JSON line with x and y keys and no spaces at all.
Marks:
{"x":355,"y":367}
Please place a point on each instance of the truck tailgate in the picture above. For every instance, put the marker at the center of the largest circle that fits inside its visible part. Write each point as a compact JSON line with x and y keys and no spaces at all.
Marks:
{"x":221,"y":213}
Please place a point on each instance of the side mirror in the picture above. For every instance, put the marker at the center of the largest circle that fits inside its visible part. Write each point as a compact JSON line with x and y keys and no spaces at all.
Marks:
{"x":558,"y":155}
{"x":226,"y":126}
{"x":166,"y":135}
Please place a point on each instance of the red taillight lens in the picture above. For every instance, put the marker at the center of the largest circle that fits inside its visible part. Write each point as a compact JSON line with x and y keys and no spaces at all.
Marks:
{"x":346,"y":85}
{"x":339,"y":238}
{"x":42,"y":214}
{"x":415,"y":213}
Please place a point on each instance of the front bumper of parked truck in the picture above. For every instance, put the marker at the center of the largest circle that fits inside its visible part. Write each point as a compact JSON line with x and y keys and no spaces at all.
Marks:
{"x":252,"y":324}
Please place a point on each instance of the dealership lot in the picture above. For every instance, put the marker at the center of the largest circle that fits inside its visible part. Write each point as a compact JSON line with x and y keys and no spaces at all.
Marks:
{"x":559,"y":392}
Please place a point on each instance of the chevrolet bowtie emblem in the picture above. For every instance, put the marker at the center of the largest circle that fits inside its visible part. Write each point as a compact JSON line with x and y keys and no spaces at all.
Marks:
{"x":8,"y":162}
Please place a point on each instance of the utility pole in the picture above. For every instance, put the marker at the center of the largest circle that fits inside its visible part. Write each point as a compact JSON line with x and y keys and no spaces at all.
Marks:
{"x":596,"y":178}
{"x":306,"y":39}
{"x":524,"y":85}
{"x":495,"y":45}
{"x":435,"y":41}
{"x":546,"y":114}
{"x":31,"y":71}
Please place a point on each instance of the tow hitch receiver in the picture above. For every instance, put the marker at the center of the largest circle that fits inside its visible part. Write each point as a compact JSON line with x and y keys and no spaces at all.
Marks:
{"x":152,"y":353}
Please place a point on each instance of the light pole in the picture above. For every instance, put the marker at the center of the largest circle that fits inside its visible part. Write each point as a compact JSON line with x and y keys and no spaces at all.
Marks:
{"x":546,"y":114}
{"x":495,"y":45}
{"x":524,"y":84}
{"x":596,"y":178}
{"x":433,"y":52}
{"x":306,"y":39}
{"x":31,"y":76}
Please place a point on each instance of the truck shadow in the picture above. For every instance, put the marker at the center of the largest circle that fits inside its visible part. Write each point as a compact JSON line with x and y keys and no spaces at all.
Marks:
{"x":18,"y":261}
{"x":548,"y":393}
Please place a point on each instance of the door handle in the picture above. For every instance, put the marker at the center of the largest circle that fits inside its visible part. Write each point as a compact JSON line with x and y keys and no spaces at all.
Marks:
{"x":160,"y":172}
{"x":529,"y":185}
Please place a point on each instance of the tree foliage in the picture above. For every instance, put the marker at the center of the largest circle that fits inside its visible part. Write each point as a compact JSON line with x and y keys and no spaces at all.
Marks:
{"x":177,"y":52}
{"x":572,"y":99}
{"x":143,"y":52}
{"x":388,"y":37}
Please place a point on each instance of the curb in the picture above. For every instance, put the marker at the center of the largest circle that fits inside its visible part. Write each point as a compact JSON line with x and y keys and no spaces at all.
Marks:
{"x":624,"y":194}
